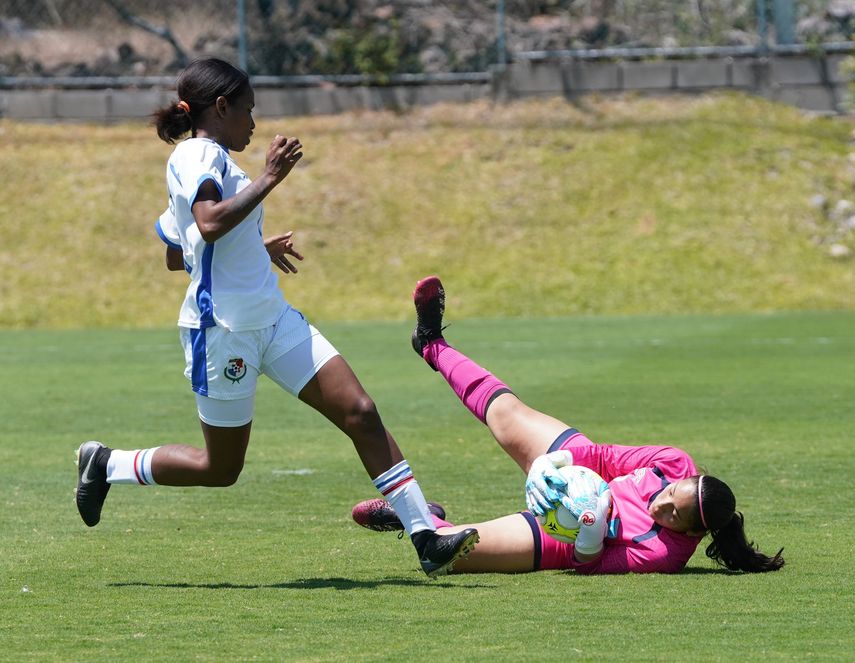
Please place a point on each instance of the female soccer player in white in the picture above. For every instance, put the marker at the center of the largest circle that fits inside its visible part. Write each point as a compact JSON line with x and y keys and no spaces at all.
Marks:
{"x":235,"y":324}
{"x":652,"y":517}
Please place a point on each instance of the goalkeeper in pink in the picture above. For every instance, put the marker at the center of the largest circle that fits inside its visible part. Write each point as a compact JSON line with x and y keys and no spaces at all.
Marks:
{"x":649,"y":518}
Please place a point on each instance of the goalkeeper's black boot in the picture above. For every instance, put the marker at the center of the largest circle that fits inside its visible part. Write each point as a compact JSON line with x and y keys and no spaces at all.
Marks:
{"x":439,"y":552}
{"x":92,"y":483}
{"x":378,"y":515}
{"x":429,"y":298}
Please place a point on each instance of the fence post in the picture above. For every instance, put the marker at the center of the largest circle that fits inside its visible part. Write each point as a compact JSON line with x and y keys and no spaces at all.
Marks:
{"x":241,"y":16}
{"x":763,"y":38}
{"x":784,"y":19}
{"x":501,"y":52}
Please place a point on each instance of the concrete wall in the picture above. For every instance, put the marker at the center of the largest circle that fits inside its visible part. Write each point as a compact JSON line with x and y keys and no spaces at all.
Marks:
{"x":815,"y":84}
{"x":108,"y":106}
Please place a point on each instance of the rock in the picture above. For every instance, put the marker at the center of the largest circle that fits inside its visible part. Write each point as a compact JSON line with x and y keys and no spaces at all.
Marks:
{"x":843,"y":209}
{"x":841,"y":10}
{"x":818,"y":201}
{"x":839,"y":251}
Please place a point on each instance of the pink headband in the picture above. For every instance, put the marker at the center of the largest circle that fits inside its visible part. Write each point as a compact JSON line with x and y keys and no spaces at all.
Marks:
{"x":701,"y":502}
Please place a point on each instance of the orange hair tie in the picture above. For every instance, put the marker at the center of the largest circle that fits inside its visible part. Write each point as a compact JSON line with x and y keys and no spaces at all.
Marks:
{"x":183,"y":105}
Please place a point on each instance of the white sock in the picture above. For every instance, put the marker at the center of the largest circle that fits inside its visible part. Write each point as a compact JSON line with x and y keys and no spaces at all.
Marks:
{"x":398,"y":485}
{"x":133,"y":467}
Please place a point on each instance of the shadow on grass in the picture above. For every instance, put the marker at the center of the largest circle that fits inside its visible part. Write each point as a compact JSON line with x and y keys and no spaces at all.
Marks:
{"x":348,"y":584}
{"x":700,"y":571}
{"x":303,"y":583}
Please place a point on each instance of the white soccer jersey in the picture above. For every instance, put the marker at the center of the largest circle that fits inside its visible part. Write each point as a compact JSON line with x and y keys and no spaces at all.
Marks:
{"x":231,"y":283}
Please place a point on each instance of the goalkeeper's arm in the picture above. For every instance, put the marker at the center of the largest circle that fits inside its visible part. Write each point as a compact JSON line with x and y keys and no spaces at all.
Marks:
{"x":593,"y":523}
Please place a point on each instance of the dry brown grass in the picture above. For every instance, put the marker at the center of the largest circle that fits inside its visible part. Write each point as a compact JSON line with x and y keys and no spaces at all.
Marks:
{"x":540,"y":208}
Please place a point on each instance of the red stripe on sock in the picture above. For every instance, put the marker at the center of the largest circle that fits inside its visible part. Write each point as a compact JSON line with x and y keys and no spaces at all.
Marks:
{"x":397,"y":485}
{"x":136,"y":471}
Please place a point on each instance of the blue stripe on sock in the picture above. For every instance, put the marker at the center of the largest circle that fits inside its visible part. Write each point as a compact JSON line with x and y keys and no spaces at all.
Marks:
{"x":140,"y":465}
{"x":146,"y":476}
{"x":398,"y":472}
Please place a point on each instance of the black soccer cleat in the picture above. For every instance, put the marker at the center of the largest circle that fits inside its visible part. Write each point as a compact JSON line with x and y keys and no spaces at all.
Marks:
{"x":378,"y":515}
{"x":439,"y":552}
{"x":92,"y":486}
{"x":429,"y":298}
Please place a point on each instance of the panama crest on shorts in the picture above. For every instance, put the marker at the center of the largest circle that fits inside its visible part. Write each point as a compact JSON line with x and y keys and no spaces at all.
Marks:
{"x":235,"y":369}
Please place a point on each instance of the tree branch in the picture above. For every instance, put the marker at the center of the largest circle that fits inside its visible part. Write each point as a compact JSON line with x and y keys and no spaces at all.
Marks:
{"x":163,"y":32}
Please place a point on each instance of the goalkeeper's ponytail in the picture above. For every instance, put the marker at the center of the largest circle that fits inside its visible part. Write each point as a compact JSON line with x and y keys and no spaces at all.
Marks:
{"x":729,"y":547}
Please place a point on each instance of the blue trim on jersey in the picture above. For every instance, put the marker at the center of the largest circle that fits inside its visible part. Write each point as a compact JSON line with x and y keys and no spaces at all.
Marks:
{"x":199,"y":362}
{"x":665,"y":484}
{"x":175,"y":173}
{"x":187,"y":267}
{"x":204,"y":298}
{"x":561,"y":439}
{"x":535,"y":532}
{"x":166,"y":240}
{"x":654,"y":531}
{"x":204,"y":176}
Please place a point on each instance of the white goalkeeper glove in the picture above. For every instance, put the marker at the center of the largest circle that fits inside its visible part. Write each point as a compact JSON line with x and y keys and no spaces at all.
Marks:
{"x":593,"y":522}
{"x":544,"y":485}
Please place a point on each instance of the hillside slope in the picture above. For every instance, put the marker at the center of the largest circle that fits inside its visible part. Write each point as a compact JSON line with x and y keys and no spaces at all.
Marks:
{"x":543,"y":208}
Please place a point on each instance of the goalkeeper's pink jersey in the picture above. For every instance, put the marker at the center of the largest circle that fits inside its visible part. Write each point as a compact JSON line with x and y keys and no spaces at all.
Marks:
{"x":636,"y":475}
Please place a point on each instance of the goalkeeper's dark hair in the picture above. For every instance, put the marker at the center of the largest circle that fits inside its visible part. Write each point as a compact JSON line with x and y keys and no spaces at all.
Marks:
{"x":717,"y":514}
{"x":198,"y":87}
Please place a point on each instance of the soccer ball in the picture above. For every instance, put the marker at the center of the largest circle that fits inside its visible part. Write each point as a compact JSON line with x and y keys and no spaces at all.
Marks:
{"x":560,"y":524}
{"x":583,"y":486}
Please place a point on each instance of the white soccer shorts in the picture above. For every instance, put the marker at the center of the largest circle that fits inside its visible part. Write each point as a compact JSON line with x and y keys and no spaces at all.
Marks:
{"x":223,"y":366}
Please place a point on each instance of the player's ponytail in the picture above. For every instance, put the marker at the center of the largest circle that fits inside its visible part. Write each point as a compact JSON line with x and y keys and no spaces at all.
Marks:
{"x":199,"y":87}
{"x":173,"y":121}
{"x":729,"y":547}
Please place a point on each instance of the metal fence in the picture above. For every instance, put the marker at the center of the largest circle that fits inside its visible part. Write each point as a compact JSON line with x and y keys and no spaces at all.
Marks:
{"x":348,"y":40}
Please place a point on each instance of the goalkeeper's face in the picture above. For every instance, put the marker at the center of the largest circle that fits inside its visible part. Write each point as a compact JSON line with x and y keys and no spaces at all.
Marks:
{"x":676,"y":506}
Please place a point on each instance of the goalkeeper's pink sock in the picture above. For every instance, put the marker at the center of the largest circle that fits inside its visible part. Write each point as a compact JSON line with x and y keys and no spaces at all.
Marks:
{"x":439,"y":522}
{"x":474,"y":385}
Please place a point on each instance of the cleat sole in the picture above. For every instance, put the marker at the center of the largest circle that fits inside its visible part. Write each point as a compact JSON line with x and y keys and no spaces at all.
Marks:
{"x":467,"y":547}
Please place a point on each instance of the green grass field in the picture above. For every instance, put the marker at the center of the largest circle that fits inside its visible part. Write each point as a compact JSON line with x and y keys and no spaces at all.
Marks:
{"x":648,"y":270}
{"x":273,"y":569}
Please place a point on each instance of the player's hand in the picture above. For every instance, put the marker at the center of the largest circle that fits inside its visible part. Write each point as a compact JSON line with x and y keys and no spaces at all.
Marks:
{"x":544,"y":484}
{"x":282,"y":155}
{"x":280,"y":246}
{"x":579,"y":495}
{"x":593,"y":523}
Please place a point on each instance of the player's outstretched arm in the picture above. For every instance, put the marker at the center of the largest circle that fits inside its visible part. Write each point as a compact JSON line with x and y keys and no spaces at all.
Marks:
{"x":593,"y":523}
